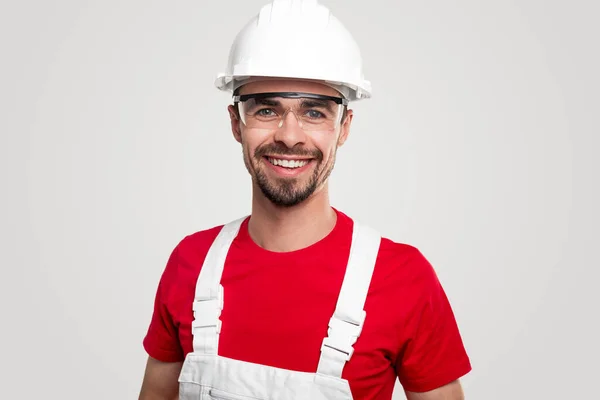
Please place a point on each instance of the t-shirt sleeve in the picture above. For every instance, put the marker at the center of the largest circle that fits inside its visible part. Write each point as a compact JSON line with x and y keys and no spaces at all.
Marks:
{"x":434,"y":354}
{"x":162,"y":340}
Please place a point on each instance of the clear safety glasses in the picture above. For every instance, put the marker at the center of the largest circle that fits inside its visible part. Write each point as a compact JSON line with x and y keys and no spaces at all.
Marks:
{"x":314,"y":112}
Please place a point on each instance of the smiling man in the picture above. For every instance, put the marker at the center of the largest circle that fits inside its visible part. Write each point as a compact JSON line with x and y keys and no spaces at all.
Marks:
{"x":298,"y":300}
{"x":284,"y":166}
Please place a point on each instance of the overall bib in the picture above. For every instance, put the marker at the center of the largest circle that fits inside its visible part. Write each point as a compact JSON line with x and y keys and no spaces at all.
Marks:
{"x":206,"y":375}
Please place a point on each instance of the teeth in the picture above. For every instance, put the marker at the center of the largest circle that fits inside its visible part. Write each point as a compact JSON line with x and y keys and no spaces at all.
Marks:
{"x":288,"y":163}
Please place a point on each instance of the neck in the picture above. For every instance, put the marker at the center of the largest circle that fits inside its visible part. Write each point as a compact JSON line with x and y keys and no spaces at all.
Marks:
{"x":284,"y":229}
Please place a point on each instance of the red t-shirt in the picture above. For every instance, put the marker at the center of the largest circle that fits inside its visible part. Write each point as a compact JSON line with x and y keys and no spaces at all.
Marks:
{"x":277,"y":307}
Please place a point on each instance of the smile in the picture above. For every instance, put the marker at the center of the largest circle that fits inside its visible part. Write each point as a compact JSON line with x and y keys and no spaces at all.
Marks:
{"x":287,"y":163}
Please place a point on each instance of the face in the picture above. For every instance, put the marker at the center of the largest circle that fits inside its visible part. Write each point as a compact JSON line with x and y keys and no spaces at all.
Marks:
{"x":287,"y":163}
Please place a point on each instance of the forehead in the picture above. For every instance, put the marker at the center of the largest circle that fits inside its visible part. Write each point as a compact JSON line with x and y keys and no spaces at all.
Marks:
{"x":287,"y":85}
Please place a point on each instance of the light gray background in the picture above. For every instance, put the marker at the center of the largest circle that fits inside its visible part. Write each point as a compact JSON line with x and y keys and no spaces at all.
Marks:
{"x":478,"y":147}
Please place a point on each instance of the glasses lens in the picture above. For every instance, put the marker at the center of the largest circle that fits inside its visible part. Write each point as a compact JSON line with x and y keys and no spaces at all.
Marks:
{"x":271,"y":113}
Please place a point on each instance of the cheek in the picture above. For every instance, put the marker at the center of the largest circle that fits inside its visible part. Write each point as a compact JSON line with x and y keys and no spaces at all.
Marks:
{"x":327,"y":144}
{"x":251,"y":140}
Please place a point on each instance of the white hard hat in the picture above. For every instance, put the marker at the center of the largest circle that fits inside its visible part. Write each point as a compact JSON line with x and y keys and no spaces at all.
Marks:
{"x":296,"y":39}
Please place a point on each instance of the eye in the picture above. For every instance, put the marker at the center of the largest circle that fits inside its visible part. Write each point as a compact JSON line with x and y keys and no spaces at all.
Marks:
{"x":265,"y":112}
{"x":314,"y":114}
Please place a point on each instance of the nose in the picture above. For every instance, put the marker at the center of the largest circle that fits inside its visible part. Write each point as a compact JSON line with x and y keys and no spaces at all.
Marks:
{"x":290,"y":131}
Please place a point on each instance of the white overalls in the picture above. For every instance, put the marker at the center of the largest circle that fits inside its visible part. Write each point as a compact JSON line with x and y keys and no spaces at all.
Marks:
{"x":206,"y":375}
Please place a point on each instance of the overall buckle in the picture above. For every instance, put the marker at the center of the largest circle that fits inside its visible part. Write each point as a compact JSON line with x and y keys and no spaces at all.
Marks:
{"x":343,"y":334}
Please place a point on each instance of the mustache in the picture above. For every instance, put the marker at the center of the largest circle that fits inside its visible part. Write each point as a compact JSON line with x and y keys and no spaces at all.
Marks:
{"x":275,"y":149}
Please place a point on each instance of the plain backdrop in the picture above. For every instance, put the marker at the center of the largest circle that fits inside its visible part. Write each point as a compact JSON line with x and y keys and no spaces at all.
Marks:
{"x":478,"y":147}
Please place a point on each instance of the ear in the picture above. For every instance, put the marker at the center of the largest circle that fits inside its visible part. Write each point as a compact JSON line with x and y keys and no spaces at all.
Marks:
{"x":235,"y":123}
{"x":345,"y":128}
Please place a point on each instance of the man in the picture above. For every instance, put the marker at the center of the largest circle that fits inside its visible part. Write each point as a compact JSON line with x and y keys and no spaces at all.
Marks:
{"x":298,"y":301}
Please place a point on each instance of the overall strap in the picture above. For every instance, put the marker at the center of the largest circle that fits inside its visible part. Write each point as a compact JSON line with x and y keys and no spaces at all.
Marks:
{"x":208,"y":299}
{"x":347,"y":321}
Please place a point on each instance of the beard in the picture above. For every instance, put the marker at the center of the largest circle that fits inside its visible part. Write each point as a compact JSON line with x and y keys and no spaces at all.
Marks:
{"x":287,"y":192}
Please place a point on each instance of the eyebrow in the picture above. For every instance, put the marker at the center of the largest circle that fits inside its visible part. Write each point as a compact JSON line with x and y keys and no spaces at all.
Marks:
{"x":317,"y":103}
{"x":306,"y":103}
{"x":268,"y":102}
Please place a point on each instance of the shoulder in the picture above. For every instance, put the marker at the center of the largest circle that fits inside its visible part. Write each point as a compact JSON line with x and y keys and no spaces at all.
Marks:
{"x":393,"y":255}
{"x":405,"y":259}
{"x":404,"y":270}
{"x":196,"y":244}
{"x":187,"y":256}
{"x":193,"y":248}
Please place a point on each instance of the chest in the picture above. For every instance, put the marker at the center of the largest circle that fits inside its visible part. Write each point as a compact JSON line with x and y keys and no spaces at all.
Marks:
{"x":278,"y":316}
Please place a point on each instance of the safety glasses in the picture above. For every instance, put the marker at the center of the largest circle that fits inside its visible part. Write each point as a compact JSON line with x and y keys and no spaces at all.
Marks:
{"x":314,"y":112}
